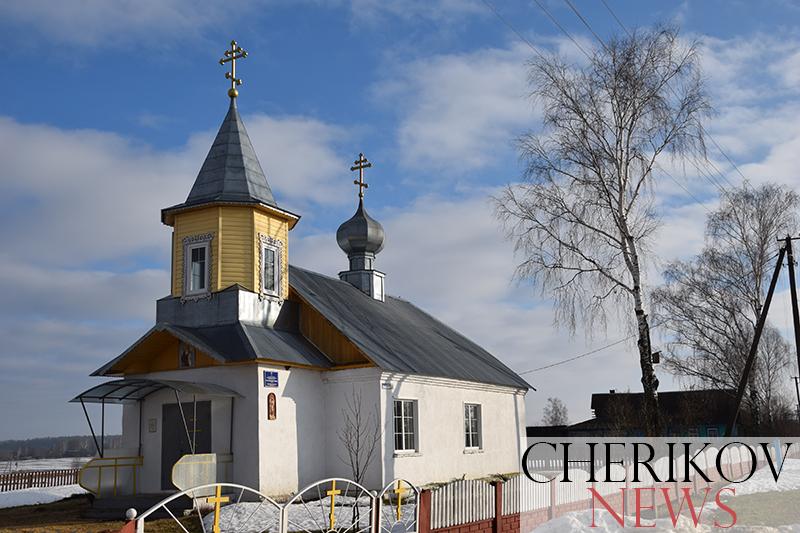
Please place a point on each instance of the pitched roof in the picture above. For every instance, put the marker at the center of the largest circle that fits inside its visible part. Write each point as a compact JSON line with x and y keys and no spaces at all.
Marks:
{"x":230,"y":343}
{"x":231,"y":171}
{"x":398,"y":336}
{"x":395,"y":335}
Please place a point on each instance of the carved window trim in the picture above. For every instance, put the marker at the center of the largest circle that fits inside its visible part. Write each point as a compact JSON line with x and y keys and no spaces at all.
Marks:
{"x":276,"y":245}
{"x":190,"y":243}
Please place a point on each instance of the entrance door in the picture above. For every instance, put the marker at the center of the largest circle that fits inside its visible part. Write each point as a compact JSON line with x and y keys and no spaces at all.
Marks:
{"x":174,"y":443}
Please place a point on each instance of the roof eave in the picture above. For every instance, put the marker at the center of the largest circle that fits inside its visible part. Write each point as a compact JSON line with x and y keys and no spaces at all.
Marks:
{"x":168,"y":213}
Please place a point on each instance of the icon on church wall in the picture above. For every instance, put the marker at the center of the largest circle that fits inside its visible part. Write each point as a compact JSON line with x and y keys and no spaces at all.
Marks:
{"x":186,"y":356}
{"x":272,"y":406}
{"x":152,"y":425}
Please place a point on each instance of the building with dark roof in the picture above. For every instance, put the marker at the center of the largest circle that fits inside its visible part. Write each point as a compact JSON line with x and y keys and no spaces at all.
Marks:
{"x":687,"y":413}
{"x":257,"y":361}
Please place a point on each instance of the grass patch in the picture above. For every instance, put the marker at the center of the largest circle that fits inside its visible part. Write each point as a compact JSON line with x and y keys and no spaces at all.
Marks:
{"x":66,"y":516}
{"x":764,"y":509}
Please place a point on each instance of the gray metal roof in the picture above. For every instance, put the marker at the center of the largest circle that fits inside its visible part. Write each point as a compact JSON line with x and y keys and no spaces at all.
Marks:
{"x":399,"y":337}
{"x":237,"y":342}
{"x":231,"y":171}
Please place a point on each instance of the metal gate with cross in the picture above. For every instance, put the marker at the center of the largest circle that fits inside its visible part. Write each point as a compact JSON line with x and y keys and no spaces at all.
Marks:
{"x":333,"y":505}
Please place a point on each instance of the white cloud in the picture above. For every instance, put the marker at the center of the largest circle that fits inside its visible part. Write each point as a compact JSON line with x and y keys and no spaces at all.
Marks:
{"x":81,"y":232}
{"x":449,"y":257}
{"x":166,"y":23}
{"x":100,"y":22}
{"x":300,"y":159}
{"x":438,"y":10}
{"x":97,"y":196}
{"x":461,"y":111}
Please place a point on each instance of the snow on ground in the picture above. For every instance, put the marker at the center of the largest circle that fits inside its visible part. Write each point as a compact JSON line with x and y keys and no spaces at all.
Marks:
{"x":764,"y":481}
{"x":43,"y":464}
{"x":36,"y":496}
{"x":761,"y":482}
{"x":255,"y":517}
{"x":581,"y":522}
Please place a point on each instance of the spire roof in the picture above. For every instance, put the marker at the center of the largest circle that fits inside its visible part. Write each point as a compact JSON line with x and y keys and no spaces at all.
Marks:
{"x":231,"y":171}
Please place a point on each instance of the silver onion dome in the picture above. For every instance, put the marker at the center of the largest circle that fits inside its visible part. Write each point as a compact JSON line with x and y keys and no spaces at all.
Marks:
{"x":361,"y":233}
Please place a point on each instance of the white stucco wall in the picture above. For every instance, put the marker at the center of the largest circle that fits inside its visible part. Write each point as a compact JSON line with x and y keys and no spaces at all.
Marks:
{"x":441,"y":454}
{"x":302,"y":445}
{"x":241,"y":379}
{"x":340,"y":387}
{"x":292,"y":446}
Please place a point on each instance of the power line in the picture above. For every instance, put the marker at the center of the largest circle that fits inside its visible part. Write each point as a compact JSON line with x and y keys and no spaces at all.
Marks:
{"x":714,"y":141}
{"x":629,"y":337}
{"x":521,"y":37}
{"x":586,"y":23}
{"x":575,"y":358}
{"x":672,"y":90}
{"x":559,"y":26}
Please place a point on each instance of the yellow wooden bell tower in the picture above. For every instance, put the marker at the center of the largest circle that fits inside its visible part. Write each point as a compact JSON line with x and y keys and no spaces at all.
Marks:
{"x":230,"y":230}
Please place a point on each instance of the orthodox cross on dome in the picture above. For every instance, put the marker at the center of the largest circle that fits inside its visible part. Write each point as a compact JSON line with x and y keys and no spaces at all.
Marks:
{"x":360,"y":164}
{"x":232,"y":56}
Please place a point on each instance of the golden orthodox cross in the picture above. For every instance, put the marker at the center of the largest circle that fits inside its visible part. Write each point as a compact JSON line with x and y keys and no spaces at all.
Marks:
{"x":216,"y":501}
{"x":399,"y":490}
{"x":232,"y":55}
{"x":332,"y":493}
{"x":360,"y":164}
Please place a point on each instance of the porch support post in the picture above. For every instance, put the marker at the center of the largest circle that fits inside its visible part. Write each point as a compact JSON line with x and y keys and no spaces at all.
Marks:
{"x":140,"y":428}
{"x":194,"y":422}
{"x":230,"y":443}
{"x":103,"y":427}
{"x":91,"y":428}
{"x":183,"y":417}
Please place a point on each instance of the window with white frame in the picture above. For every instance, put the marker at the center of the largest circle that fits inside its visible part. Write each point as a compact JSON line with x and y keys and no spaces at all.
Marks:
{"x":472,"y":426}
{"x":270,"y":266}
{"x":197,"y":265}
{"x":405,"y":425}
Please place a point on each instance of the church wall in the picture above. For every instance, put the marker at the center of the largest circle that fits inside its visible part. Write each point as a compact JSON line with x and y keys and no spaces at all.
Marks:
{"x":242,"y":379}
{"x":292,"y":446}
{"x":236,"y":240}
{"x":190,"y":224}
{"x":441,"y":454}
{"x":340,"y":387}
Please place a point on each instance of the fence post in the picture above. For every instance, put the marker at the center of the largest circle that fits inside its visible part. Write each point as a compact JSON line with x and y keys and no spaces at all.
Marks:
{"x":498,"y":505}
{"x":424,"y":525}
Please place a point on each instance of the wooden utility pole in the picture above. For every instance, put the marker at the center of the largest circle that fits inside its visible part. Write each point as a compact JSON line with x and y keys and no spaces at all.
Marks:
{"x":786,"y":250}
{"x":797,"y":390}
{"x":795,"y":314}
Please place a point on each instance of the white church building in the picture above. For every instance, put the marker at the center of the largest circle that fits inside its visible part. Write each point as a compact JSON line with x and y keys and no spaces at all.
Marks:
{"x":258,"y":360}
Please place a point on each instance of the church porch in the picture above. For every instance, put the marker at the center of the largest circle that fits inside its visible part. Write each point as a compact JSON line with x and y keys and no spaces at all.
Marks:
{"x":162,"y":420}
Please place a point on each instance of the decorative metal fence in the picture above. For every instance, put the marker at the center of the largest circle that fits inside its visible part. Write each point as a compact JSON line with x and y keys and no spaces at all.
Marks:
{"x":332,"y":505}
{"x":28,"y":479}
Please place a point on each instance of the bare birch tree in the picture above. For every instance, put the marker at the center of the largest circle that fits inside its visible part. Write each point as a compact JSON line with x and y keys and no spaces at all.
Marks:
{"x":711,"y":303}
{"x":583,"y":218}
{"x":359,"y":434}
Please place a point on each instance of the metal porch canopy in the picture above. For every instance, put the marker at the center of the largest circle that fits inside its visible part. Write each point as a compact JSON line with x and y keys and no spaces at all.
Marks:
{"x":132,"y":390}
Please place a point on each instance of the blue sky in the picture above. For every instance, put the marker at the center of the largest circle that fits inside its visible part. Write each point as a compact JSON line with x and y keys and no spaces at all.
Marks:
{"x":109,"y":108}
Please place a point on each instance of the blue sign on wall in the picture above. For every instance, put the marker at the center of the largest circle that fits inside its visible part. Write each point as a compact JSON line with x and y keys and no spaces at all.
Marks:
{"x":270,"y":378}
